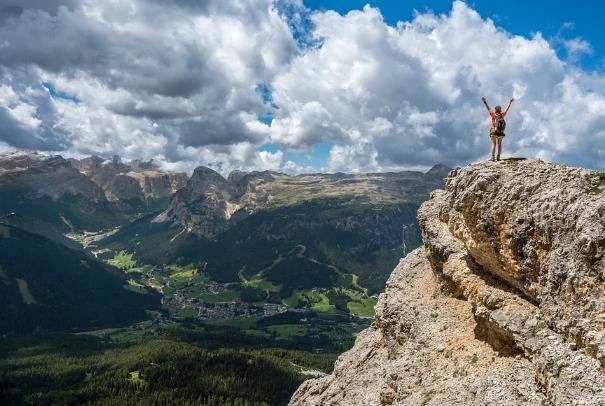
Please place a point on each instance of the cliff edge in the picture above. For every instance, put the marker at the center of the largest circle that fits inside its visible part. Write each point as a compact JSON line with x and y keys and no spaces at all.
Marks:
{"x":503,"y":304}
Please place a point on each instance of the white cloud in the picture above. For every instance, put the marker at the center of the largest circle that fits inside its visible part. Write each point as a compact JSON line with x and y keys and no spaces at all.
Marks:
{"x":576,"y":46}
{"x":269,"y":161}
{"x":17,"y":109}
{"x":190,"y":67}
{"x":177,"y":82}
{"x":410,"y":95}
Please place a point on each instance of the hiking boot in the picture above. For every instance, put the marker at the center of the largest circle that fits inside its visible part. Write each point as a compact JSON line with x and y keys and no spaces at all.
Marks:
{"x":492,"y":158}
{"x":498,"y":158}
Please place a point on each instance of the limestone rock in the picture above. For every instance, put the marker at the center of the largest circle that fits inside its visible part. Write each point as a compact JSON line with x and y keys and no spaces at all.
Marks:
{"x":33,"y":176}
{"x":135,"y":180}
{"x":503,"y":305}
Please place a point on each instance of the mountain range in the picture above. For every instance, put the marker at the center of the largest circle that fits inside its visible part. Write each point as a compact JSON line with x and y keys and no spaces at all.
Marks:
{"x":128,"y":258}
{"x":272,"y":242}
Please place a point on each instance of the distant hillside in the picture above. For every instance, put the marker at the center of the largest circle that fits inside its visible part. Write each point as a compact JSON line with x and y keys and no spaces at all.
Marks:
{"x":47,"y":195}
{"x":54,"y":196}
{"x":263,"y":229}
{"x":210,"y":204}
{"x":134,"y":181}
{"x":320,"y":242}
{"x":45,"y":286}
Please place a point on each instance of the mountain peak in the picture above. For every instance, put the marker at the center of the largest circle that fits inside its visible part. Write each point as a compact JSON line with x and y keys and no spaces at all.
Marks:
{"x":438,"y":171}
{"x":206,"y":171}
{"x":135,"y":180}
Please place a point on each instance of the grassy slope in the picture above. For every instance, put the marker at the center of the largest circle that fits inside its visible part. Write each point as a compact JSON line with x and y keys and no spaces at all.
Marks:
{"x":81,"y":213}
{"x":48,"y":287}
{"x":369,"y":250}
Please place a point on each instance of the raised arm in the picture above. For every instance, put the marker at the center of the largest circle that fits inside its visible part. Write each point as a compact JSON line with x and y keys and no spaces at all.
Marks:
{"x":486,"y":105}
{"x":508,"y":107}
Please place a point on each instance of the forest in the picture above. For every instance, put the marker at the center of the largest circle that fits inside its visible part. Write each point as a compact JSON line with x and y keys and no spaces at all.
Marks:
{"x":176,"y":369}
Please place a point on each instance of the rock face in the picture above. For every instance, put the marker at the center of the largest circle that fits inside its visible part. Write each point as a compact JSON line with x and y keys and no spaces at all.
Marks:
{"x":53,"y":196}
{"x":48,"y":196}
{"x":134,"y":180}
{"x":210,"y":203}
{"x":33,"y":176}
{"x":503,"y":304}
{"x":205,"y":205}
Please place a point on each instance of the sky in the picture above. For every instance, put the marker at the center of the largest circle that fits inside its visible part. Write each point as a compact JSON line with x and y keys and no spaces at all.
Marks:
{"x":556,"y":20}
{"x":301,"y":85}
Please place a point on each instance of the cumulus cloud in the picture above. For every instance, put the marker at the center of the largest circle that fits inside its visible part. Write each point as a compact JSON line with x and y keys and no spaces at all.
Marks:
{"x":411,"y":95}
{"x":28,"y":119}
{"x":151,"y":78}
{"x":14,"y":8}
{"x":184,"y":83}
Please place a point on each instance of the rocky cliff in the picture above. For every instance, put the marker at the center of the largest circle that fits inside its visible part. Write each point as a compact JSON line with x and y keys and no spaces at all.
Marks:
{"x":135,"y":180}
{"x":35,"y":175}
{"x":52,"y":196}
{"x":503,"y":304}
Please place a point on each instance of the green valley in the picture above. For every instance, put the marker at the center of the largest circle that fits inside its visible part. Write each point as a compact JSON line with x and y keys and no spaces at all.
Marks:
{"x":233,"y":292}
{"x":46,"y":287}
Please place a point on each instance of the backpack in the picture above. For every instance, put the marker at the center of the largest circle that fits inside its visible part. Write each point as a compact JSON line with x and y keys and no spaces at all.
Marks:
{"x":500,"y":125}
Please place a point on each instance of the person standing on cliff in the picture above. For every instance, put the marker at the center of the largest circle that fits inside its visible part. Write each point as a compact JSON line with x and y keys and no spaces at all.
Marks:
{"x":496,"y":132}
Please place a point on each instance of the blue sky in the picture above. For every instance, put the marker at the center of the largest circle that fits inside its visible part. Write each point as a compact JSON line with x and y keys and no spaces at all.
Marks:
{"x":552,"y":18}
{"x":54,"y":93}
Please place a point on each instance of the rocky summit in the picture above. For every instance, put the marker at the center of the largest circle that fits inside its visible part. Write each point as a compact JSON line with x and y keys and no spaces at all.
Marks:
{"x":53,"y":196}
{"x":134,"y":180}
{"x":35,"y":175}
{"x":503,"y":304}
